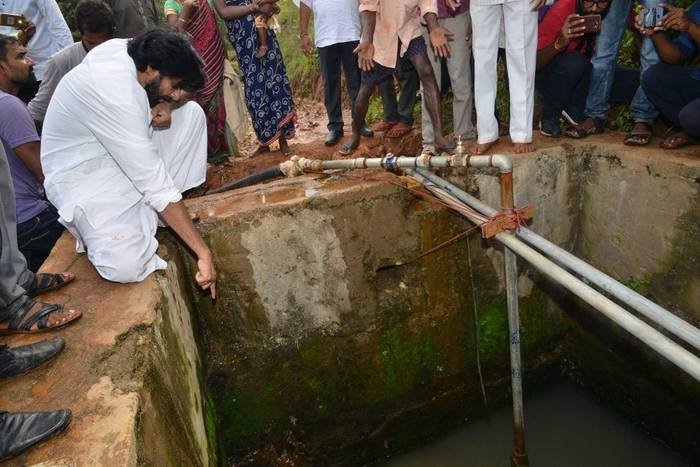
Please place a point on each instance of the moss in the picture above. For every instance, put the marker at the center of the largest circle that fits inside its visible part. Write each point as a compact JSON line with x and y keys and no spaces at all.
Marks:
{"x":407,"y":359}
{"x":210,"y":422}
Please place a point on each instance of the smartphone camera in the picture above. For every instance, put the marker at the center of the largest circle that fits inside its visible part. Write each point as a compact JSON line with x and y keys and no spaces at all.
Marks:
{"x":651,"y":17}
{"x":13,"y":21}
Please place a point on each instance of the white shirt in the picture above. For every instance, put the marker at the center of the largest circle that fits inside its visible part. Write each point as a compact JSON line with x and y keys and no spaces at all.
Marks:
{"x":96,"y":149}
{"x":52,"y":33}
{"x":335,"y":21}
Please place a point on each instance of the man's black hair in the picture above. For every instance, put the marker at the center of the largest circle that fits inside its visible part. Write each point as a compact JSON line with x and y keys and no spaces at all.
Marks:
{"x":94,"y":16}
{"x":171,"y":55}
{"x":4,"y":42}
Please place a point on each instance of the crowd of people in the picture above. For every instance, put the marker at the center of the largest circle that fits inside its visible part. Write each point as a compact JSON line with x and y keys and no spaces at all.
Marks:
{"x":102,"y":136}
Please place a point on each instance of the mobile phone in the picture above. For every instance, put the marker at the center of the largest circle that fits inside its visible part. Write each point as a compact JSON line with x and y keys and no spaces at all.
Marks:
{"x":13,"y":21}
{"x":651,"y":17}
{"x":591,"y":23}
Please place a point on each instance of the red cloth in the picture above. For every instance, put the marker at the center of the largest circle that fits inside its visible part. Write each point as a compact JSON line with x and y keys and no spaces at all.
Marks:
{"x":551,"y":24}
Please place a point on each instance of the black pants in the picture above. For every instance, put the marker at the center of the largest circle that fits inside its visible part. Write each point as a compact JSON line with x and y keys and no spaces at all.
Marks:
{"x":401,"y":111}
{"x":37,"y":236}
{"x":563,"y":82}
{"x":676,"y":94}
{"x":331,"y":58}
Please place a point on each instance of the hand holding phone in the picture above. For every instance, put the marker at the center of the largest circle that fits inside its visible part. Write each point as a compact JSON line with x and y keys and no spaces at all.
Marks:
{"x":591,"y":23}
{"x":13,"y":21}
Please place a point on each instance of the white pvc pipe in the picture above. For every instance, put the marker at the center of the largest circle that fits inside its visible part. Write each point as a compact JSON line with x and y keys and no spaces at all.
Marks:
{"x":643,"y":305}
{"x":638,"y":328}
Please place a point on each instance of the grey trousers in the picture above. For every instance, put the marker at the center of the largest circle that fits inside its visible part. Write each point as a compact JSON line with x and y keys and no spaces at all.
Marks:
{"x":459,"y":69}
{"x":13,"y":267}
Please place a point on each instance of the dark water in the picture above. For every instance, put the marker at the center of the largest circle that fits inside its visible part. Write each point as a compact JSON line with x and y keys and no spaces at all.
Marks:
{"x":563,"y":428}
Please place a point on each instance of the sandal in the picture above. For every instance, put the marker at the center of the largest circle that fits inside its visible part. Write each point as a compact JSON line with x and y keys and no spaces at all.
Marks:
{"x":590,"y":126}
{"x":639,"y":136}
{"x":26,"y":322}
{"x":46,"y":282}
{"x":384,"y":125}
{"x":677,"y":140}
{"x":399,"y":130}
{"x":348,"y":148}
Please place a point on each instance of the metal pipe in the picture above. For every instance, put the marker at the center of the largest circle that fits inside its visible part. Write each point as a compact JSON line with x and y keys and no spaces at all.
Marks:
{"x":635,"y":326}
{"x":664,"y":318}
{"x":519,"y":456}
{"x":299,"y":165}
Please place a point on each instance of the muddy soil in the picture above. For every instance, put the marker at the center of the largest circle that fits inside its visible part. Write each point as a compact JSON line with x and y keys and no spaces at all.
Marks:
{"x":311,"y":132}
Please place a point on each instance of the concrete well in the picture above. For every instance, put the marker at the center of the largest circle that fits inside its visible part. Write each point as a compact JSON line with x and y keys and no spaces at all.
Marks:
{"x":333,"y":342}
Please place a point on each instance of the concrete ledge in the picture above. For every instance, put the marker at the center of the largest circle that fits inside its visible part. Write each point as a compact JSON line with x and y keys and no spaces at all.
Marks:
{"x":105,"y":375}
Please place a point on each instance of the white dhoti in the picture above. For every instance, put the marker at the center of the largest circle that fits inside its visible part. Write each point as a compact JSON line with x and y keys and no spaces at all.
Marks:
{"x":123,"y":247}
{"x":521,"y":57}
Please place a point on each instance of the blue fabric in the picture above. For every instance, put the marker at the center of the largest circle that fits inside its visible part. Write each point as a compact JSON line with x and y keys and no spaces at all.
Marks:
{"x":267,"y":91}
{"x":604,"y":62}
{"x":37,"y":236}
{"x":685,"y":42}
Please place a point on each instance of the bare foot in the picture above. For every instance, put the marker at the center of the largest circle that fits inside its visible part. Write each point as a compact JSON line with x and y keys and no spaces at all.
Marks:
{"x":262,"y":51}
{"x":481,"y":148}
{"x":261,"y":150}
{"x":284,"y":147}
{"x":522,"y":148}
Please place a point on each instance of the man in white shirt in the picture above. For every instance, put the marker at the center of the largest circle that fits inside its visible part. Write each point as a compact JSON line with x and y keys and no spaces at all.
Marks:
{"x":106,"y":174}
{"x":337,"y":33}
{"x":95,"y":22}
{"x":52,"y":34}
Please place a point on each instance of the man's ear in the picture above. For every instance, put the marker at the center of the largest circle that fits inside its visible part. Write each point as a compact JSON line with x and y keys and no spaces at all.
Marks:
{"x":151,"y":72}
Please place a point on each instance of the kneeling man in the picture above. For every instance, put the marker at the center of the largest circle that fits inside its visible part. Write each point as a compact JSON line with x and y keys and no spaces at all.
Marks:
{"x":105,"y":172}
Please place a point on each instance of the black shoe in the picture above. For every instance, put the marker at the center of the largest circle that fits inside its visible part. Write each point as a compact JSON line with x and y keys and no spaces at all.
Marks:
{"x":333,"y":137}
{"x":366,"y":131}
{"x":20,"y":431}
{"x":22,"y":359}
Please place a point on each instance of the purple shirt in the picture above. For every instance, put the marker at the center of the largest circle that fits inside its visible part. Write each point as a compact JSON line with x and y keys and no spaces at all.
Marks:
{"x":445,"y":12}
{"x":16,"y":129}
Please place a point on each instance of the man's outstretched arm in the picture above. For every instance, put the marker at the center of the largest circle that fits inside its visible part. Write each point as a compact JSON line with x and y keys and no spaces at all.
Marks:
{"x":177,"y":217}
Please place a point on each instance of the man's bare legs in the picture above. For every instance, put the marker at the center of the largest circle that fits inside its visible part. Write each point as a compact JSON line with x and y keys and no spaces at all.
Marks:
{"x":431,"y":94}
{"x":359,"y":112}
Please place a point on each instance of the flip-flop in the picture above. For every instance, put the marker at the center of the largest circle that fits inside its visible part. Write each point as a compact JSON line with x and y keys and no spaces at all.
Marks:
{"x":638,"y":137}
{"x":384,"y":125}
{"x":590,"y":126}
{"x":348,"y":148}
{"x":677,"y":140}
{"x":399,"y":130}
{"x":46,"y":282}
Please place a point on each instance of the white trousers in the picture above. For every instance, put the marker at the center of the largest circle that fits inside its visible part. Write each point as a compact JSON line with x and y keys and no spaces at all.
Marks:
{"x":520,"y":24}
{"x":459,"y":69}
{"x":123,"y":249}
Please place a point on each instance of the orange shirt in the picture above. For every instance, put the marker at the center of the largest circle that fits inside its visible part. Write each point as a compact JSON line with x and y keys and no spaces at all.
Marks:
{"x":396,"y":20}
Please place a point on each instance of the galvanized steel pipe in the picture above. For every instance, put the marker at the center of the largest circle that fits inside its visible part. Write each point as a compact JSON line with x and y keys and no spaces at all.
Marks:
{"x":643,"y":305}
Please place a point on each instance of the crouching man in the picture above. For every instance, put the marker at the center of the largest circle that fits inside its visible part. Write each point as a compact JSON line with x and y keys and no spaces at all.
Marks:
{"x":108,"y":174}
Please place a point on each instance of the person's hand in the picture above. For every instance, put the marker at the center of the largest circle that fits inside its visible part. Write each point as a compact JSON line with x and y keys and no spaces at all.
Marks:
{"x":438,"y":39}
{"x":27,"y":31}
{"x":365,"y":55}
{"x":639,"y":26}
{"x":307,"y":46}
{"x":160,"y":116}
{"x":536,"y":4}
{"x":676,"y":18}
{"x":573,"y":27}
{"x":206,"y":274}
{"x":453,"y":4}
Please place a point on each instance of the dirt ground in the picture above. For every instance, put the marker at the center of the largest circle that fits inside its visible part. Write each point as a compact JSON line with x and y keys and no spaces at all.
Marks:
{"x":311,"y":132}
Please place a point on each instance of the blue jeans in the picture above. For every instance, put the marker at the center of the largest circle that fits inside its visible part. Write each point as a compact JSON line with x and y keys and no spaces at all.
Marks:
{"x":604,"y":59}
{"x":37,"y":236}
